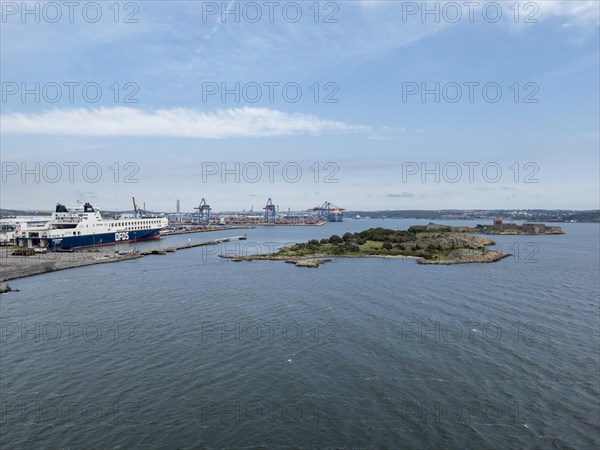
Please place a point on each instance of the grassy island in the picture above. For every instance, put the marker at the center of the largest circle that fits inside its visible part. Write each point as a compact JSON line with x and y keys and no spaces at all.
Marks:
{"x":442,"y":246}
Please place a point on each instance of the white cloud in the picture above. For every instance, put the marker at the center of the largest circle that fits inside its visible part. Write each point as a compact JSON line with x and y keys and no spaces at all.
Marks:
{"x":176,"y":122}
{"x":348,"y":33}
{"x":576,"y":12}
{"x":582,"y":13}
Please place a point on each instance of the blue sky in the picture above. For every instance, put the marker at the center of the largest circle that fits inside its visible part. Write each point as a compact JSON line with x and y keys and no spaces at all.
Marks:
{"x":375,"y":148}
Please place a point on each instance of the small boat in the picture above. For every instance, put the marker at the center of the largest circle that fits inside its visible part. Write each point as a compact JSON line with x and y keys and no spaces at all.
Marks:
{"x":244,"y":237}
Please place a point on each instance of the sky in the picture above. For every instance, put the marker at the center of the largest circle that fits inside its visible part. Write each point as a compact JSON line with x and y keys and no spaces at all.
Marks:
{"x":370,"y":105}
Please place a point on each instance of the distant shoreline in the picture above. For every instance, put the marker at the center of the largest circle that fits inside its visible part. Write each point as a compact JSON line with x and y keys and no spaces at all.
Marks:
{"x":521,"y":215}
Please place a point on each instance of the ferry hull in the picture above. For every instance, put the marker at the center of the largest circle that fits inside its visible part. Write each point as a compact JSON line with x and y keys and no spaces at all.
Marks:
{"x":72,"y":242}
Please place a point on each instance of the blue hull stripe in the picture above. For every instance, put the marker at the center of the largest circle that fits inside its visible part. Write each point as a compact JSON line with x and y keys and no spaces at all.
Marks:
{"x":103,"y":239}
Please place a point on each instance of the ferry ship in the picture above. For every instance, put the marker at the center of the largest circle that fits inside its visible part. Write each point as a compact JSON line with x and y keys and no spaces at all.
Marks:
{"x":84,"y":226}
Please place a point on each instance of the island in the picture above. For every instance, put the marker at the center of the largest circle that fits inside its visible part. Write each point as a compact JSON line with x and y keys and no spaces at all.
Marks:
{"x":500,"y":227}
{"x":442,"y":246}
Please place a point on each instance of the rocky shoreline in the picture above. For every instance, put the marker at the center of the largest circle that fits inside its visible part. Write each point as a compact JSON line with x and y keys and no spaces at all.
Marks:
{"x":439,"y":246}
{"x":487,"y":257}
{"x":317,"y":261}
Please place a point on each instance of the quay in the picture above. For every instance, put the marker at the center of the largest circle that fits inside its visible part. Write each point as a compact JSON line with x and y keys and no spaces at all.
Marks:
{"x":165,"y":250}
{"x":204,"y":229}
{"x":19,"y":265}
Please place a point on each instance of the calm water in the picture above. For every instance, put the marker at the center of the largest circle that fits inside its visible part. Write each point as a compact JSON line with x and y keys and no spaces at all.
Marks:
{"x":188,"y":350}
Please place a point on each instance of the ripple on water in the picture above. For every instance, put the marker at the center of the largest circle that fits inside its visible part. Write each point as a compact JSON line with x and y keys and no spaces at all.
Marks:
{"x":358,"y":374}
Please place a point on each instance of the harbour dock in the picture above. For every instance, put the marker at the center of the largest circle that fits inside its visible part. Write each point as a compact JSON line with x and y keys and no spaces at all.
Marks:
{"x":165,"y":250}
{"x":15,"y":264}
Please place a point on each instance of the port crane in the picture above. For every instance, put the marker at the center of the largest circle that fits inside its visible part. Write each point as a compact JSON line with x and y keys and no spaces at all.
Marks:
{"x":138,"y":212}
{"x":203,"y":212}
{"x":329,"y":211}
{"x":270,"y":211}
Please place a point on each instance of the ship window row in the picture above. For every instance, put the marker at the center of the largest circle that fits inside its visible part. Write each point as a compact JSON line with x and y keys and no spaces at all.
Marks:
{"x":146,"y":227}
{"x":129,"y":226}
{"x":125,"y":224}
